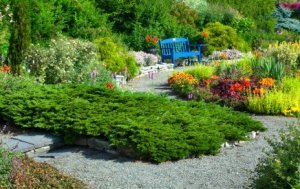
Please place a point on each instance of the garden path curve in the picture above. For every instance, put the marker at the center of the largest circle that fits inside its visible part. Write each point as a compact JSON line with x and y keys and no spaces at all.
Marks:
{"x":228,"y":170}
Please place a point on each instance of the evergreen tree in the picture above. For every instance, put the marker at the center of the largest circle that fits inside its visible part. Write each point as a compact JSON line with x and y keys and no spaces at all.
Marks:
{"x":284,"y":20}
{"x":20,"y":34}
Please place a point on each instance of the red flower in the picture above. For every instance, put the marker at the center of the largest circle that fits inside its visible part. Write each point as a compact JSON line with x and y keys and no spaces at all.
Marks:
{"x":246,"y":83}
{"x":5,"y":68}
{"x":237,"y":87}
{"x":207,"y":81}
{"x":109,"y":85}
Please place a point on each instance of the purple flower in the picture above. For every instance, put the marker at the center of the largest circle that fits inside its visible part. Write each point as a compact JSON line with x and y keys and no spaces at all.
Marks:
{"x":114,"y":75}
{"x":190,"y":96}
{"x":151,"y":75}
{"x":94,"y":73}
{"x":125,"y":70}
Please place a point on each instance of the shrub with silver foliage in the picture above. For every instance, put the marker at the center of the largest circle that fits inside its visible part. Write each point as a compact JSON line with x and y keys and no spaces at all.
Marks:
{"x":145,"y":59}
{"x":229,"y":53}
{"x":63,"y":61}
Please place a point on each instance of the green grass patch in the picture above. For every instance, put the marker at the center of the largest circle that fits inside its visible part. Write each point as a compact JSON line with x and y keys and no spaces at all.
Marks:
{"x":154,"y":127}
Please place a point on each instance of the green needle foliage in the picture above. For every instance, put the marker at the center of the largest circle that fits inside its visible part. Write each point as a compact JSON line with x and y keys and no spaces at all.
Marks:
{"x":20,"y":34}
{"x":284,"y":20}
{"x":154,"y":127}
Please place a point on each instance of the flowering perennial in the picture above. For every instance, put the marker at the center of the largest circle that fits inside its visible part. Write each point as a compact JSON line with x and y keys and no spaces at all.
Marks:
{"x":183,"y":83}
{"x":295,"y":5}
{"x":204,"y":34}
{"x":5,"y":68}
{"x":258,"y":91}
{"x":267,"y":82}
{"x":152,"y":40}
{"x":291,"y":111}
{"x":181,"y":77}
{"x":109,"y":85}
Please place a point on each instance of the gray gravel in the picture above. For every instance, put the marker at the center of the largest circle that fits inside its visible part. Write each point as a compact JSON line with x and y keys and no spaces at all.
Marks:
{"x":228,"y":170}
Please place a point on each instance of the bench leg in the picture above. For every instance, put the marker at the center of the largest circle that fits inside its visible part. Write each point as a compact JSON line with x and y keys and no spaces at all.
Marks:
{"x":200,"y":53}
{"x":199,"y":57}
{"x":174,"y":62}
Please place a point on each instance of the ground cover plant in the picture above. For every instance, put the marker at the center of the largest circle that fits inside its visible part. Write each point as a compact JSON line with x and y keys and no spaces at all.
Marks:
{"x":154,"y":127}
{"x":18,"y":171}
{"x":280,"y":168}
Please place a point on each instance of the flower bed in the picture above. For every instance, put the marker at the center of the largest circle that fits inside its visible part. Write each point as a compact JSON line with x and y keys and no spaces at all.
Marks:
{"x":263,"y":84}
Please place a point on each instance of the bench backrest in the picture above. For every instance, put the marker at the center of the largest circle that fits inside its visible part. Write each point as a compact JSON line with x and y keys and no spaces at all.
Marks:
{"x":178,"y":44}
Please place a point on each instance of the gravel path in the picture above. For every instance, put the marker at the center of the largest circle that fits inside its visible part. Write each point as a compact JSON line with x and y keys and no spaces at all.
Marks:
{"x":228,"y":170}
{"x":144,"y":84}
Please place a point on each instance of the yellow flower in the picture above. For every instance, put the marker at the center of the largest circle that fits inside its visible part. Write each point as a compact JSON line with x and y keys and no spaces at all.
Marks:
{"x":182,"y":77}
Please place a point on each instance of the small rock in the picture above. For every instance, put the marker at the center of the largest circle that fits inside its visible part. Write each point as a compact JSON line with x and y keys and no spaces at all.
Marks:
{"x":239,"y":143}
{"x":30,"y":153}
{"x":113,"y":152}
{"x":98,"y":144}
{"x":253,"y":134}
{"x":81,"y":142}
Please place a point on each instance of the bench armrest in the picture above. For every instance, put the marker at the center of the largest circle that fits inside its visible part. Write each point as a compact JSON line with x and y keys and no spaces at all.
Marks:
{"x":167,"y":48}
{"x":198,"y":46}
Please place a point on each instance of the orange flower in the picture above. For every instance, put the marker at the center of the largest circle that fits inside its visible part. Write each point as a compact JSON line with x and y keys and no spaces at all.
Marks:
{"x":204,"y":34}
{"x":214,"y":77}
{"x":267,"y":82}
{"x":180,"y":78}
{"x":151,"y":39}
{"x":257,"y":54}
{"x":224,"y":56}
{"x":246,"y":79}
{"x":109,"y":85}
{"x":258,"y":91}
{"x":207,"y":81}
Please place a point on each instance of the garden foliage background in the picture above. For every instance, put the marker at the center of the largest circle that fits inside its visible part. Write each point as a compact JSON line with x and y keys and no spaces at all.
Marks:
{"x":62,"y":51}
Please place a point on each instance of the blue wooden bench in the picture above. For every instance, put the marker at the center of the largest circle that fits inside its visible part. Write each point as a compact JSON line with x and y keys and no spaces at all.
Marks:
{"x":175,"y":48}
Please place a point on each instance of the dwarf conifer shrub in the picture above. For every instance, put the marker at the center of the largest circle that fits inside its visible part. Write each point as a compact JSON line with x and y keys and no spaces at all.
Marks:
{"x":155,"y":128}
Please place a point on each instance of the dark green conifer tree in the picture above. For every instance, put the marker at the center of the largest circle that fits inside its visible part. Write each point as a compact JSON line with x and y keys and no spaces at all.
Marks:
{"x":20,"y":34}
